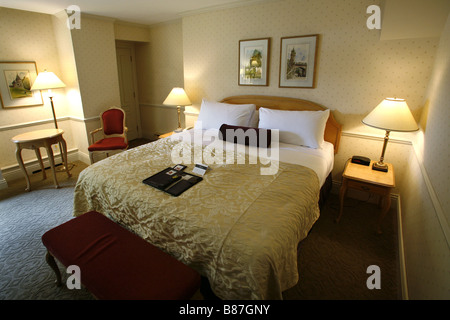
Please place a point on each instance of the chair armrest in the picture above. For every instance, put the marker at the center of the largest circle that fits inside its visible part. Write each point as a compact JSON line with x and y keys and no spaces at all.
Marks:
{"x":92,"y":134}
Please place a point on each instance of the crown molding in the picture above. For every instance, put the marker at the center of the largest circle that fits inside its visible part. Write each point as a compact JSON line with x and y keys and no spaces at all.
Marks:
{"x":235,"y":4}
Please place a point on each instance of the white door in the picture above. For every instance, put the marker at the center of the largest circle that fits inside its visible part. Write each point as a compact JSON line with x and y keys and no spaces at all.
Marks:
{"x":127,"y":83}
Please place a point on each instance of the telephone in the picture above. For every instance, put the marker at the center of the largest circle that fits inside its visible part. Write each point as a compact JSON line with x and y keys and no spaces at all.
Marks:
{"x":361,"y":160}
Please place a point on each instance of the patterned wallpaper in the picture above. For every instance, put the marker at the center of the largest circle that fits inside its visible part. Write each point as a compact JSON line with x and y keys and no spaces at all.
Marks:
{"x":68,"y":74}
{"x":38,"y":46}
{"x":160,"y":63}
{"x":95,"y":55}
{"x":355,"y":69}
{"x":131,"y":32}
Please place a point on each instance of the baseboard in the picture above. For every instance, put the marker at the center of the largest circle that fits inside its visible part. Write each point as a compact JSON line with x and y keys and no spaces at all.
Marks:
{"x":401,"y":252}
{"x":83,"y":157}
{"x":3,"y":184}
{"x":441,"y":217}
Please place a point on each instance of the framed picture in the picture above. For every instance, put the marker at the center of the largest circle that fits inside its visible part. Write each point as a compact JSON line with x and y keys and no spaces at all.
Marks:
{"x":254,"y":62}
{"x":16,"y":79}
{"x":298,"y":57}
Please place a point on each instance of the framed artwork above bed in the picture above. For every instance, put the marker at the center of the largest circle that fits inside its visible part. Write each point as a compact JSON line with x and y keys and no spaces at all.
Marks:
{"x":298,"y":57}
{"x":254,"y":62}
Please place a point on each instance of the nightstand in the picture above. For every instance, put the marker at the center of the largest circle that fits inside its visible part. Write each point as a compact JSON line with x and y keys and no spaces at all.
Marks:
{"x":365,"y":179}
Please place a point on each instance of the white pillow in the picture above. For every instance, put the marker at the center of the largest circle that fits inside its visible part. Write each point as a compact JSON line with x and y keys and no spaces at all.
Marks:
{"x":303,"y":128}
{"x":254,"y":120}
{"x":213,"y":114}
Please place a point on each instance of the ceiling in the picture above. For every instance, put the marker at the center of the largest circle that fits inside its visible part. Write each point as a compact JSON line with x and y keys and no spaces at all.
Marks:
{"x":134,"y":11}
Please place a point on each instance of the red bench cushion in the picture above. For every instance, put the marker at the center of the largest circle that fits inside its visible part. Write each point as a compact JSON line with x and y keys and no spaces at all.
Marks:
{"x":117,"y":264}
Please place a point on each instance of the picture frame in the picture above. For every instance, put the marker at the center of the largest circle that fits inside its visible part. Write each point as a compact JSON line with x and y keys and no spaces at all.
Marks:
{"x":254,"y":55}
{"x":298,"y":60}
{"x":16,"y":79}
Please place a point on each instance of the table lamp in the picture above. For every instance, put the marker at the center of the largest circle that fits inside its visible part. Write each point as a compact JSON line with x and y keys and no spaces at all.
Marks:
{"x":391,"y":114}
{"x":177,"y":97}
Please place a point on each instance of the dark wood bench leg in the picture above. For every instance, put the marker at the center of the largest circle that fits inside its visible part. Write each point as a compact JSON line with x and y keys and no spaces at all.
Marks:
{"x":52,"y":263}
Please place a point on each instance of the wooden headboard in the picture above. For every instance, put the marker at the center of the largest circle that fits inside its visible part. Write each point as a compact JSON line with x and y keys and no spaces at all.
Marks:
{"x":332,"y":128}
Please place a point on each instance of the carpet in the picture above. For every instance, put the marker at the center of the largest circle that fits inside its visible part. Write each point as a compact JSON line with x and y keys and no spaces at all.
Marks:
{"x":24,"y":218}
{"x":332,"y":260}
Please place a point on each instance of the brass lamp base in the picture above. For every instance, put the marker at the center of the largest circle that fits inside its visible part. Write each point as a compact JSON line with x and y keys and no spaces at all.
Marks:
{"x":380,"y":166}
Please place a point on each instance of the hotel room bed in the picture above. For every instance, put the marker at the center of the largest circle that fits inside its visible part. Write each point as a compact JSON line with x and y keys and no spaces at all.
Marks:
{"x":237,"y":227}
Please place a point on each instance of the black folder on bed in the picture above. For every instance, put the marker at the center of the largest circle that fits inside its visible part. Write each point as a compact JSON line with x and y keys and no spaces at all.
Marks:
{"x":172,"y":181}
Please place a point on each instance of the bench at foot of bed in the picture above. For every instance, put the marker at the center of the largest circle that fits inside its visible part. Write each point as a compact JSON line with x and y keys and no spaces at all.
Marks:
{"x":117,"y":264}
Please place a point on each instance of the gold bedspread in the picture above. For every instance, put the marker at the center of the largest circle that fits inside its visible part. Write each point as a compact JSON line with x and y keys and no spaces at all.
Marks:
{"x":238,"y":228}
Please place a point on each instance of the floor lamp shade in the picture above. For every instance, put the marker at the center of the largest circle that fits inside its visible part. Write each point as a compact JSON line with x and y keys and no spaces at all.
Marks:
{"x":177,"y":97}
{"x":391,"y":114}
{"x":47,"y":80}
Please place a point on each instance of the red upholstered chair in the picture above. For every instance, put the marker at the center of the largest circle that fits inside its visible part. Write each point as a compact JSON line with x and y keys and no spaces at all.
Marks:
{"x":114,"y":133}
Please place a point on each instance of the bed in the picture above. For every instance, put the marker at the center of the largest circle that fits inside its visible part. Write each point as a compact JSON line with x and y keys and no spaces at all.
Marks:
{"x":238,"y":228}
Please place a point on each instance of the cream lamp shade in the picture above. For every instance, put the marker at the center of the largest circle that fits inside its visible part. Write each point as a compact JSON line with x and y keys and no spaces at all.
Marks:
{"x":391,"y":114}
{"x":47,"y":80}
{"x":177,"y":97}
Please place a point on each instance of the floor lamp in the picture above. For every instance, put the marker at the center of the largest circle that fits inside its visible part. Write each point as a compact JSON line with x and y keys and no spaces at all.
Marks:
{"x":177,"y":97}
{"x":47,"y":81}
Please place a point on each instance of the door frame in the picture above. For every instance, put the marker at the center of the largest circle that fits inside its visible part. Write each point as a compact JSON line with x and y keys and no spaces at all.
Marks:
{"x":131,"y":45}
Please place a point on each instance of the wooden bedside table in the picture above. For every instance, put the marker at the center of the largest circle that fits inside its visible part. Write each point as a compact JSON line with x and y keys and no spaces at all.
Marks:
{"x":363,"y":178}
